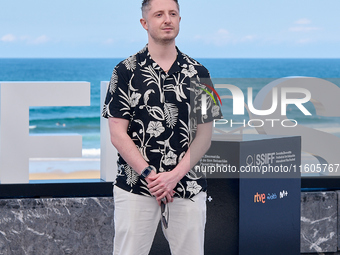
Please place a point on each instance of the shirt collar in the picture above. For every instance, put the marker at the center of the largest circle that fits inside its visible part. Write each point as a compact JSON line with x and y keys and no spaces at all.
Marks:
{"x":177,"y":66}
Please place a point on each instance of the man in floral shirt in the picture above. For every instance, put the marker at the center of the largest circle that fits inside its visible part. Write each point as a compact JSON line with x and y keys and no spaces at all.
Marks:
{"x":154,"y":105}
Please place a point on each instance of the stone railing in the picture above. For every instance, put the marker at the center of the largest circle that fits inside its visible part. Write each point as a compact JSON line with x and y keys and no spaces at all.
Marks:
{"x":84,"y":225}
{"x":319,"y":222}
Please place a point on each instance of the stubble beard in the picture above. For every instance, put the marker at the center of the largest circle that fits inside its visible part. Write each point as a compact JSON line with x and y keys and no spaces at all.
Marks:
{"x":165,"y":40}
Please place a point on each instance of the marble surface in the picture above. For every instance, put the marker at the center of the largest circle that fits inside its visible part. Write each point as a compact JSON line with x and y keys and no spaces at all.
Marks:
{"x":56,"y":226}
{"x":319,"y":219}
{"x":85,"y":225}
{"x":322,"y":253}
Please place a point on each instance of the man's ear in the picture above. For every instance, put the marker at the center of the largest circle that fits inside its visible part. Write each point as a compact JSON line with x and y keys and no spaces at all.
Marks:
{"x":144,"y":24}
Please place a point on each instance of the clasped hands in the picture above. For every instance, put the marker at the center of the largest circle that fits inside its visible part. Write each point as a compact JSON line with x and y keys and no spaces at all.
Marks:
{"x":162,"y":185}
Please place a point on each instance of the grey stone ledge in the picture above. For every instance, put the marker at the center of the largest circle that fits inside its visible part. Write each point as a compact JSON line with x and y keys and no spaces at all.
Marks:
{"x":319,"y":217}
{"x":56,"y":226}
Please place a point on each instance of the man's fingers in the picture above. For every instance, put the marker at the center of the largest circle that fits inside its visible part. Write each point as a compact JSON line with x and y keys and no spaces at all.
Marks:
{"x":157,"y":193}
{"x":169,"y":198}
{"x":166,"y":197}
{"x":153,"y":183}
{"x":154,"y":186}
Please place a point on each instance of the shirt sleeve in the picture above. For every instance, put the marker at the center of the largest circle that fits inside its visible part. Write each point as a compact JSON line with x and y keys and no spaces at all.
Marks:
{"x":208,"y":102}
{"x":117,"y":101}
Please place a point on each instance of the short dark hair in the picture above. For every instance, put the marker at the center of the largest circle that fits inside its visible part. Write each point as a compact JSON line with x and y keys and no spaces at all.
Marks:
{"x":146,"y":4}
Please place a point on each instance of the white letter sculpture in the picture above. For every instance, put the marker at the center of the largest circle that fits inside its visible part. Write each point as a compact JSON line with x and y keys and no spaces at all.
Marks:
{"x":108,"y":153}
{"x":16,"y":145}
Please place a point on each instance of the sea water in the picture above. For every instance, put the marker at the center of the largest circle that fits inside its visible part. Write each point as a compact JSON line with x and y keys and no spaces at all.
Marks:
{"x":86,"y":120}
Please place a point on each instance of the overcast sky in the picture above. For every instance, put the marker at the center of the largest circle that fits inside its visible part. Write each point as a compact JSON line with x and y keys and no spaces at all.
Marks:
{"x":209,"y":29}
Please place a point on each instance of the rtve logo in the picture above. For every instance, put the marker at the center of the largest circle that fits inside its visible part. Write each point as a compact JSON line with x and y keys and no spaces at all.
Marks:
{"x":259,"y":198}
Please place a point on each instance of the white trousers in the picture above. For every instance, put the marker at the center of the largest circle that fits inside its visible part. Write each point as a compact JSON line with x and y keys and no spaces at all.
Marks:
{"x":136,"y":219}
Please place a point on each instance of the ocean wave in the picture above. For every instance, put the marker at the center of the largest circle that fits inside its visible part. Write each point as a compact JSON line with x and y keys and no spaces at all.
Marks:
{"x":326,"y":128}
{"x":87,"y":154}
{"x":331,"y":130}
{"x":49,"y":119}
{"x":90,"y":153}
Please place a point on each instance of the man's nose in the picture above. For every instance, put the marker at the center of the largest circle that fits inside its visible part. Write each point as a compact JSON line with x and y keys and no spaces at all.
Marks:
{"x":167,"y":19}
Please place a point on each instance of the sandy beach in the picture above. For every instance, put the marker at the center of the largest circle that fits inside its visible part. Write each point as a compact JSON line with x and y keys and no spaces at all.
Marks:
{"x":62,"y":168}
{"x":61,"y":175}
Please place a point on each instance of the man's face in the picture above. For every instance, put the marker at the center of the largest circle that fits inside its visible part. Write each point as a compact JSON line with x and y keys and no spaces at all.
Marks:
{"x":161,"y":20}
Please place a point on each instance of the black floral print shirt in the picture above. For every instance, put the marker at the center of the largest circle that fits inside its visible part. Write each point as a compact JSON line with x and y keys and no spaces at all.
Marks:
{"x":163,"y":110}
